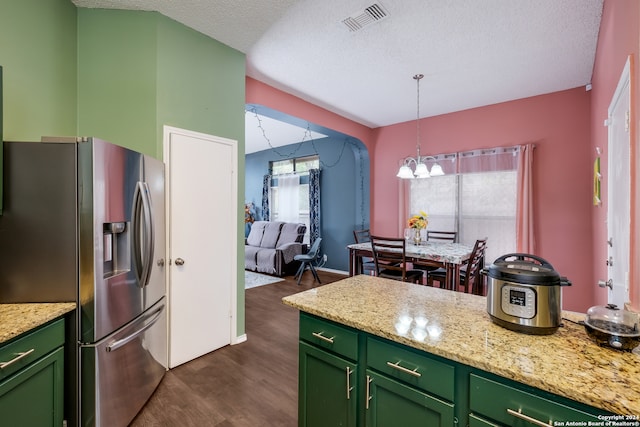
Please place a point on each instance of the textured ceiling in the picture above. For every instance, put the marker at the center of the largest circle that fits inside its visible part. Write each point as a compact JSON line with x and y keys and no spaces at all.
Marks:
{"x":472,"y":52}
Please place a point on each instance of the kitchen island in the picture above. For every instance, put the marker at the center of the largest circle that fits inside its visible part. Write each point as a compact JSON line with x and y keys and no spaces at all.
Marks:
{"x":453,"y":326}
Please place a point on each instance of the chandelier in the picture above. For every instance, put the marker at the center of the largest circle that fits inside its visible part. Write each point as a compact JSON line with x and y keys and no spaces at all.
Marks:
{"x":421,"y":170}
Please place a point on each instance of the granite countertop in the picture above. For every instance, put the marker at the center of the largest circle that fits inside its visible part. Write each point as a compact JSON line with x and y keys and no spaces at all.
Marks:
{"x":456,"y":326}
{"x":16,"y":319}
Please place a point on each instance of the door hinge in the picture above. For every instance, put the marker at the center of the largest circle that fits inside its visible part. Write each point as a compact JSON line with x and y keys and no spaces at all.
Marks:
{"x":627,"y":119}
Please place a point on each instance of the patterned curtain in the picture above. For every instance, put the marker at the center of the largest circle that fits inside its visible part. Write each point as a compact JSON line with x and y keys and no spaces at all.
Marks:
{"x":266,"y":186}
{"x":314,"y":204}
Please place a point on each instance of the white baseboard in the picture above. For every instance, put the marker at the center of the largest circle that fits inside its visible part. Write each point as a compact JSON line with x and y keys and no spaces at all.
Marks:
{"x":331,"y":270}
{"x":239,"y":340}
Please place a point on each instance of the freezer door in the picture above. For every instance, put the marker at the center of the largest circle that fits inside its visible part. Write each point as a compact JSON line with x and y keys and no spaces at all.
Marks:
{"x":121,"y":221}
{"x":119,"y":374}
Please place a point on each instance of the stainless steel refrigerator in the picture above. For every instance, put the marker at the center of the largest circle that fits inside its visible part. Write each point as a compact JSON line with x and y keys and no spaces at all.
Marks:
{"x":83,"y":221}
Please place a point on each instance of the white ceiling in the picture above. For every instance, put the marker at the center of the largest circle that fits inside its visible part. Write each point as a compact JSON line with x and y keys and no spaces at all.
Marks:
{"x":472,"y":52}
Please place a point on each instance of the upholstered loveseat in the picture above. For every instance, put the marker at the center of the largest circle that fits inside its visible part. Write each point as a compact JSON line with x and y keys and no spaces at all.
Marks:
{"x":271,"y":246}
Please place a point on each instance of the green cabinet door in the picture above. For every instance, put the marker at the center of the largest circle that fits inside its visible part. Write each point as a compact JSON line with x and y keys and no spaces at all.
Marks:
{"x":33,"y":397}
{"x":392,"y":404}
{"x":327,"y":389}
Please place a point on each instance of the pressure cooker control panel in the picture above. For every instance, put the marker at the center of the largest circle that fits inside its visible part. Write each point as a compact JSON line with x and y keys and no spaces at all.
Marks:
{"x":519,"y":301}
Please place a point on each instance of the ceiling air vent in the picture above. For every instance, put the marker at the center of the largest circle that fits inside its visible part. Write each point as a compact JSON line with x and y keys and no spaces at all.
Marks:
{"x":369,"y":15}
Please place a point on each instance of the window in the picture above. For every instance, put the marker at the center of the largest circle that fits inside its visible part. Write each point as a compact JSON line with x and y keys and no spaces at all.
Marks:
{"x":301,"y":164}
{"x":289,"y":192}
{"x":477,"y":203}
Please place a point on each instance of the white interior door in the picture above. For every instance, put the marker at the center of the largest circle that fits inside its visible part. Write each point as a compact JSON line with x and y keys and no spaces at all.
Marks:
{"x":618,"y":206}
{"x":201,"y":199}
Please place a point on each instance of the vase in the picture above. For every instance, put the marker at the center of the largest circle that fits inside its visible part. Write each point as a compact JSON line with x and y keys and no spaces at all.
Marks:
{"x":416,"y":236}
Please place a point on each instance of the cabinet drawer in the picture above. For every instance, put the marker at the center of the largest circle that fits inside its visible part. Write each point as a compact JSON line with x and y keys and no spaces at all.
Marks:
{"x":23,"y":351}
{"x":329,"y":335}
{"x":506,"y":404}
{"x":418,"y":370}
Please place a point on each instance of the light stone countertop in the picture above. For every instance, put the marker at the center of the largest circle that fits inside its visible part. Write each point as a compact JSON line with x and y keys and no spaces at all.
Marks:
{"x":456,"y":326}
{"x":16,"y":319}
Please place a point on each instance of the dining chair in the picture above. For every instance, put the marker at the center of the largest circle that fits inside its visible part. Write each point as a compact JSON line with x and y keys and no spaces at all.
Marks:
{"x":389,"y":256}
{"x":470,"y":278}
{"x":435,"y":236}
{"x":442,"y":236}
{"x":308,"y":259}
{"x":363,"y":236}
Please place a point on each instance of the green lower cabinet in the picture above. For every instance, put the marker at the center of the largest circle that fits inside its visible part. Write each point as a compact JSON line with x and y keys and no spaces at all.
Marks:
{"x":392,"y":404}
{"x":33,"y":397}
{"x":495,"y":401}
{"x":327,"y":389}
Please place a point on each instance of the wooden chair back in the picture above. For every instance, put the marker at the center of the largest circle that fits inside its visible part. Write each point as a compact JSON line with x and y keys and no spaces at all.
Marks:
{"x":442,"y":236}
{"x":389,"y":256}
{"x":473,"y":280}
{"x":362,"y":236}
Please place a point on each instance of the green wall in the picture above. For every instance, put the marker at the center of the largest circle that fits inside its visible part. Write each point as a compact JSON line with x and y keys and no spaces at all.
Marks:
{"x":119,"y":76}
{"x":38,"y":57}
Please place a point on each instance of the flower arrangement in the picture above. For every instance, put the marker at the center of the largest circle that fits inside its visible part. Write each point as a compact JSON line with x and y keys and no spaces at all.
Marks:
{"x":418,"y":221}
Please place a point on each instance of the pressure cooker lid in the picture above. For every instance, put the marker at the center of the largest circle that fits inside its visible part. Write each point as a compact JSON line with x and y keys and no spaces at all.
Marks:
{"x":612,"y":320}
{"x":524,"y":269}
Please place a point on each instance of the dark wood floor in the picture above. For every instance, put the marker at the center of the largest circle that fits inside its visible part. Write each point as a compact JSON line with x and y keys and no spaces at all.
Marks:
{"x":252,"y":384}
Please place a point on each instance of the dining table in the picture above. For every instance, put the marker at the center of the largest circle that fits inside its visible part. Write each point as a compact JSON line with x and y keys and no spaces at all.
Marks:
{"x":450,"y":256}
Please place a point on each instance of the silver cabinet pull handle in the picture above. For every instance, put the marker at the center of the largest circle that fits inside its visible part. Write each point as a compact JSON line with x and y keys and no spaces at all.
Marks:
{"x":15,"y":359}
{"x":322,"y":337}
{"x":397,"y":366}
{"x":519,"y":414}
{"x":369,"y":397}
{"x":349,"y":388}
{"x":179,"y":261}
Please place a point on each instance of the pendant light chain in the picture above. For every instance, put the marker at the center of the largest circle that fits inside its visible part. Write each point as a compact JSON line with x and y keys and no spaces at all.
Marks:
{"x":417,"y":78}
{"x":306,"y":137}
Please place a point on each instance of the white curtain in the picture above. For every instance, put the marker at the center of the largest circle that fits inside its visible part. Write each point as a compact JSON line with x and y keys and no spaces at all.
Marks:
{"x":289,"y":198}
{"x":477,"y":199}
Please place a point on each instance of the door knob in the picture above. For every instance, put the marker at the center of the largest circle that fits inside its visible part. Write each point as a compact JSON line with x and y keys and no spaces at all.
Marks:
{"x":160,"y":262}
{"x":607,"y":284}
{"x":179,"y":261}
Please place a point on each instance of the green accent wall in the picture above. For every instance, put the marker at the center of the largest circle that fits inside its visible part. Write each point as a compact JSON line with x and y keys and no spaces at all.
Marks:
{"x":38,"y":58}
{"x":117,"y":78}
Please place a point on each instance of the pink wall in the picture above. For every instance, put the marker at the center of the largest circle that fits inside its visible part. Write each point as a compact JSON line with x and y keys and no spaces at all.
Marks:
{"x":558,"y":124}
{"x":618,"y":38}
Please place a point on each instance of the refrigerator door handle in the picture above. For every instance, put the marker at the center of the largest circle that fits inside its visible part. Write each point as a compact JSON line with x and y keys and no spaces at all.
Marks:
{"x":124,"y":341}
{"x":143,"y":239}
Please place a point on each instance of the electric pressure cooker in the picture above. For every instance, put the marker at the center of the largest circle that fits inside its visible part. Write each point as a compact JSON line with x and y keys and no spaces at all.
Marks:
{"x":524,"y":294}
